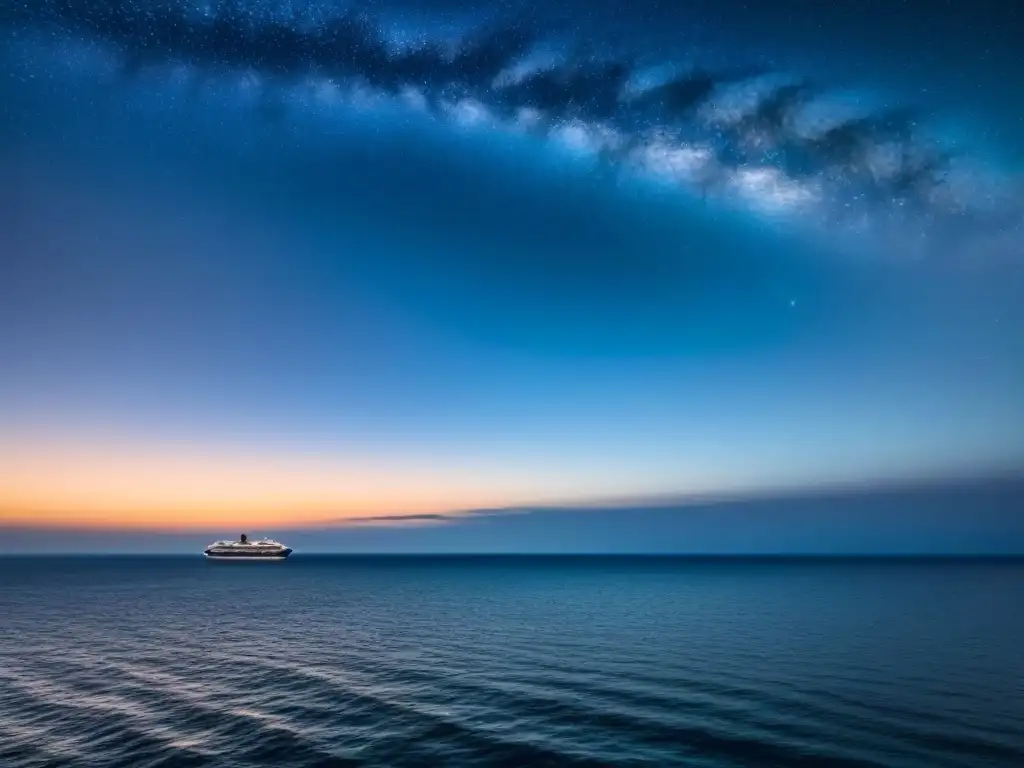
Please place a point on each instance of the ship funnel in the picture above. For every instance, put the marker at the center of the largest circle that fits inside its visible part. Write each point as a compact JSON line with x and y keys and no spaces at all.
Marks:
{"x":243,"y":539}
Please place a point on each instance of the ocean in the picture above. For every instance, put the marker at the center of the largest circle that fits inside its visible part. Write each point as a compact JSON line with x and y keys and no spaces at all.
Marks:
{"x":510,"y":661}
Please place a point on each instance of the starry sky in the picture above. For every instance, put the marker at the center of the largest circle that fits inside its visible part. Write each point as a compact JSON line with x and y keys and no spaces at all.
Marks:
{"x":288,"y":266}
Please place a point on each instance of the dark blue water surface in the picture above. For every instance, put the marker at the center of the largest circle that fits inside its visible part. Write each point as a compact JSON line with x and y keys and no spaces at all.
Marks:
{"x":331,"y":661}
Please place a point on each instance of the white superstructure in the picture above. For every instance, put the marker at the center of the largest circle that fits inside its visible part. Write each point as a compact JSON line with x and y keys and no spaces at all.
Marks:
{"x":243,"y":549}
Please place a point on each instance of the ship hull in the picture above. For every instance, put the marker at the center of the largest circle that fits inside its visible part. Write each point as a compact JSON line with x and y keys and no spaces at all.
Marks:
{"x":251,"y":556}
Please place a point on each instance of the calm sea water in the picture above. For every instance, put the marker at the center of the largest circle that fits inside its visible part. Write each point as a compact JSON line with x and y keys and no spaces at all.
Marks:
{"x":324,"y":661}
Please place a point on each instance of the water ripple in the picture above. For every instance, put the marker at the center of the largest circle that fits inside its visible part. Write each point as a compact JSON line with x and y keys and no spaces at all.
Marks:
{"x":345,"y":663}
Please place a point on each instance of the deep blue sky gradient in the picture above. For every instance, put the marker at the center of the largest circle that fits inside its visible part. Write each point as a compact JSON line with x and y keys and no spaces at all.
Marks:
{"x":238,"y":264}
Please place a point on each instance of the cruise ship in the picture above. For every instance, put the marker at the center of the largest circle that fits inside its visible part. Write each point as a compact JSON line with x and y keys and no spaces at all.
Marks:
{"x":243,"y":549}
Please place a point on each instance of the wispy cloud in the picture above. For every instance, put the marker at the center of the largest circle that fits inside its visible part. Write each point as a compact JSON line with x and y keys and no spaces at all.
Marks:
{"x":425,"y":518}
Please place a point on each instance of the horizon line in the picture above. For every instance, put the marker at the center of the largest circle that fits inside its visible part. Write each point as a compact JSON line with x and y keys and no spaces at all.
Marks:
{"x":576,"y":555}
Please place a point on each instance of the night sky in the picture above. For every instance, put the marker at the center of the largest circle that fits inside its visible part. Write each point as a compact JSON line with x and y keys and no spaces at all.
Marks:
{"x":271,"y":266}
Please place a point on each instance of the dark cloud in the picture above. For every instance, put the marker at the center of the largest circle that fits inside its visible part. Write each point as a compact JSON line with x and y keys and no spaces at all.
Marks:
{"x":580,"y":89}
{"x":878,"y":159}
{"x":681,"y":95}
{"x":770,"y":124}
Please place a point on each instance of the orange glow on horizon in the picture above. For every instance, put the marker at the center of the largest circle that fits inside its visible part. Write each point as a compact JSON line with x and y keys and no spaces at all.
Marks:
{"x":167,"y":486}
{"x":53,"y":481}
{"x":129,"y":488}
